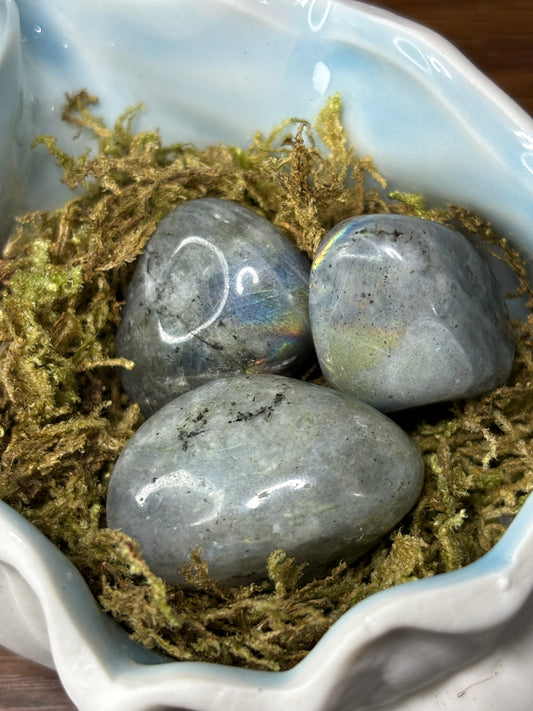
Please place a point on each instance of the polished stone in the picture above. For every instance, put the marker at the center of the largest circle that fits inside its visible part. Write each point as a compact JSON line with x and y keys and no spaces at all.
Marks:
{"x":246,"y":465}
{"x":219,"y":291}
{"x":407,"y":312}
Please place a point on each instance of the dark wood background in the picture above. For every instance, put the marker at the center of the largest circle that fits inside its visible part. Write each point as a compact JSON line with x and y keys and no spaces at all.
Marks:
{"x":497,"y":36}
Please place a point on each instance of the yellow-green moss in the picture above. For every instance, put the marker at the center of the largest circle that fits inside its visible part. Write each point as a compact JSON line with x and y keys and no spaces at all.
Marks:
{"x":64,"y":418}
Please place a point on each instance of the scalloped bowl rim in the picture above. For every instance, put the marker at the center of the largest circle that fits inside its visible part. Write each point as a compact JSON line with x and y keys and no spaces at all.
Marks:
{"x":499,"y":575}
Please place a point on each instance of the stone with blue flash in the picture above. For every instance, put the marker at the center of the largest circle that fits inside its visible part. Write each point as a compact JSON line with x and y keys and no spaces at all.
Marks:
{"x":406,"y":312}
{"x":219,"y":291}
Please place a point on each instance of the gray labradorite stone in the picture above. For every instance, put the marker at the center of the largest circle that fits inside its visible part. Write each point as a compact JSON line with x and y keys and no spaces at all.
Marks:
{"x":407,"y":312}
{"x":219,"y":291}
{"x":246,"y":465}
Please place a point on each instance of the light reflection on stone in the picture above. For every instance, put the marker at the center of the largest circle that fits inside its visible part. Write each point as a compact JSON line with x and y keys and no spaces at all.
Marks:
{"x":219,"y":291}
{"x":247,"y":465}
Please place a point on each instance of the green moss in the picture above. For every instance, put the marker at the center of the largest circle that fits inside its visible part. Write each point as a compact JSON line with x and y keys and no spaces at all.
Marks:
{"x":64,"y":418}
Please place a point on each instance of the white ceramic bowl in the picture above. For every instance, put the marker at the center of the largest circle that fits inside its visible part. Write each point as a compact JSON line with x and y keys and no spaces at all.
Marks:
{"x":217,"y":70}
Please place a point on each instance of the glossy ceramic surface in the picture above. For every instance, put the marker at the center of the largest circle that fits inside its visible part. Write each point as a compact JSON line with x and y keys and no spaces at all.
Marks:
{"x":213,"y":70}
{"x":12,"y":156}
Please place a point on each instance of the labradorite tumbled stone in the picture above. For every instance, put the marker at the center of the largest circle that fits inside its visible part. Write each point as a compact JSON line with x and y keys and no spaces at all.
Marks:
{"x":406,"y":312}
{"x":219,"y":291}
{"x":246,"y":465}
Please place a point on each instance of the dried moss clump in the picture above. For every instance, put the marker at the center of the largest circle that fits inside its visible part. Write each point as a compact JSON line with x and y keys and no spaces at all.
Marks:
{"x":64,"y":418}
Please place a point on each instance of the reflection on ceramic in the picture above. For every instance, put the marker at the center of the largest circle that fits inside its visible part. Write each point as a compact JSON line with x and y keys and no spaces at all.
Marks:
{"x":211,"y":70}
{"x":11,"y":149}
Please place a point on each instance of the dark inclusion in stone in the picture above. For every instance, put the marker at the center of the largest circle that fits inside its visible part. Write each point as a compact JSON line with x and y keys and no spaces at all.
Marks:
{"x":407,"y":312}
{"x":219,"y":291}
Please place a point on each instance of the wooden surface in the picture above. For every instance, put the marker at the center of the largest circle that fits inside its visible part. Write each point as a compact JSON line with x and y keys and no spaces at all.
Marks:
{"x":497,"y":35}
{"x":26,"y":686}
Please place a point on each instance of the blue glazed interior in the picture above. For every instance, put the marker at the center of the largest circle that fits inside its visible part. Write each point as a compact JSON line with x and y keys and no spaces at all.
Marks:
{"x":11,"y":158}
{"x":217,"y":71}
